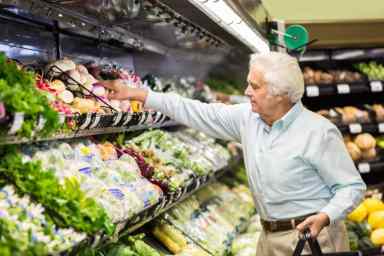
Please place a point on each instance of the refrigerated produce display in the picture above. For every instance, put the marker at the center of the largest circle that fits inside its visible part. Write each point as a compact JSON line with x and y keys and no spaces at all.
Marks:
{"x":81,"y":174}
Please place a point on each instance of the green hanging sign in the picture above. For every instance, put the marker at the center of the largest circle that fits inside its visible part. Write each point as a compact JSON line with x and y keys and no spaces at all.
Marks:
{"x":296,"y":37}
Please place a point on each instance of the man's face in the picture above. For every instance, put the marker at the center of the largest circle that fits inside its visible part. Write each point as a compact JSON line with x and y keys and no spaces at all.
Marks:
{"x":257,"y":91}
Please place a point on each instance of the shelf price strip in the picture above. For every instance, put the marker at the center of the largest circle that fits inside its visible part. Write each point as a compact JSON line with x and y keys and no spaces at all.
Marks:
{"x":381,"y":127}
{"x":376,"y":86}
{"x":364,"y":167}
{"x":343,"y":89}
{"x":355,"y":128}
{"x":312,"y":91}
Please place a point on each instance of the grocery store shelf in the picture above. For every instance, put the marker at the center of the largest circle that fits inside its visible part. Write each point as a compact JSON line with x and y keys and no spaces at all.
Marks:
{"x":240,"y":228}
{"x":95,"y":124}
{"x":357,"y":128}
{"x":371,"y":172}
{"x":168,"y":201}
{"x":368,"y":167}
{"x":172,"y":199}
{"x":312,"y":91}
{"x":330,"y":55}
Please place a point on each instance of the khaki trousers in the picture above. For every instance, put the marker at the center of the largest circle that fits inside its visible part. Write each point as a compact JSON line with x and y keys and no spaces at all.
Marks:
{"x":333,"y":238}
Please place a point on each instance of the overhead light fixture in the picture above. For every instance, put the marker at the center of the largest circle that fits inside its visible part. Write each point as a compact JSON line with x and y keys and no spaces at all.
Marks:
{"x":250,"y":36}
{"x":221,"y":13}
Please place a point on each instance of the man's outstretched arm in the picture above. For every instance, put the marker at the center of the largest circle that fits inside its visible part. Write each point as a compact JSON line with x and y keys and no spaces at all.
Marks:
{"x":217,"y":120}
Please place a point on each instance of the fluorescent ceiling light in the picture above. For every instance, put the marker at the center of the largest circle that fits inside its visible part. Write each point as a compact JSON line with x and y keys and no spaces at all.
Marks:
{"x":250,"y":37}
{"x":223,"y":11}
{"x":220,"y":12}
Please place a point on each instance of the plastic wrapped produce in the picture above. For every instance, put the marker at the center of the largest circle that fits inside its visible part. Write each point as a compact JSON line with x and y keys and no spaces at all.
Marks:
{"x":173,"y":151}
{"x":172,"y":238}
{"x":153,"y":168}
{"x":214,"y":225}
{"x":193,"y":250}
{"x":24,"y":223}
{"x":114,"y":183}
{"x":255,"y":224}
{"x":245,"y":244}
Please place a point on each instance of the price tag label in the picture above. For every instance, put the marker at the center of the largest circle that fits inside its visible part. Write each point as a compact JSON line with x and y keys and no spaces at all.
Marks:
{"x":128,"y":118}
{"x":178,"y":194}
{"x":41,"y":123}
{"x":163,"y":203}
{"x":163,"y":119}
{"x":355,"y":128}
{"x":158,"y":208}
{"x":61,"y":118}
{"x":159,"y":117}
{"x":184,"y":190}
{"x":381,"y":127}
{"x":96,"y":121}
{"x":18,"y":121}
{"x":364,"y":168}
{"x":150,"y":119}
{"x":197,"y":183}
{"x":87,"y":121}
{"x":118,"y":117}
{"x":312,"y":91}
{"x":376,"y":86}
{"x":171,"y":199}
{"x":343,"y":89}
{"x":143,"y":118}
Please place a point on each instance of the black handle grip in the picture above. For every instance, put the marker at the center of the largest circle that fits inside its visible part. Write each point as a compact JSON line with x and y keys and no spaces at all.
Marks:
{"x":313,"y":245}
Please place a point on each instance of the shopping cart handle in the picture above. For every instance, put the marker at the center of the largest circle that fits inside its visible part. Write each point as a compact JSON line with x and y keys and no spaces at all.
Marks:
{"x":316,"y":250}
{"x":313,"y":244}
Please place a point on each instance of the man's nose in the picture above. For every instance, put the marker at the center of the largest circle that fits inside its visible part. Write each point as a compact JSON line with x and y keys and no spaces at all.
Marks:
{"x":248,"y":91}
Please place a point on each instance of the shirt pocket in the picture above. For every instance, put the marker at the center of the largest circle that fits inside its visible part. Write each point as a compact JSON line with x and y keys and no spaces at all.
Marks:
{"x":283,"y":176}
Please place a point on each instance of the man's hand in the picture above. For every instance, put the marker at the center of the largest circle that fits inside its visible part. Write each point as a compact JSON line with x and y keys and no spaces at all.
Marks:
{"x":119,"y":91}
{"x":315,"y":223}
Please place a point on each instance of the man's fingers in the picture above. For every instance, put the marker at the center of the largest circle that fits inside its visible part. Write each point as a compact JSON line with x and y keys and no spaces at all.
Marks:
{"x":305,"y":224}
{"x":109,"y":84}
{"x":314,"y":232}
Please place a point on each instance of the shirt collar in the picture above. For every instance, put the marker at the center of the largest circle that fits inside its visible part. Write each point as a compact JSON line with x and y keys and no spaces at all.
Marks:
{"x":289,"y":117}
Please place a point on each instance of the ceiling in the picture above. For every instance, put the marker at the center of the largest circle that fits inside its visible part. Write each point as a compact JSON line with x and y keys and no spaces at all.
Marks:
{"x":325,"y":10}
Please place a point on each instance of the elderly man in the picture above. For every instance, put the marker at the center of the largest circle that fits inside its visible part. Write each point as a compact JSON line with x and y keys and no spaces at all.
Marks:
{"x":298,"y":168}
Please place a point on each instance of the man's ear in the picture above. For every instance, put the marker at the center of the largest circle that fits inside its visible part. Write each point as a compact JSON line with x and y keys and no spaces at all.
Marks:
{"x":281,"y":98}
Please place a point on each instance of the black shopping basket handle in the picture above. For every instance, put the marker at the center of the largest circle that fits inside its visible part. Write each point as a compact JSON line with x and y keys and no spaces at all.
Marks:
{"x":313,"y":244}
{"x":316,"y":250}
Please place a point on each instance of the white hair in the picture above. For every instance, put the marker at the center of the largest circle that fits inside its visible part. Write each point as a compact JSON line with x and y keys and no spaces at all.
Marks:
{"x":281,"y":73}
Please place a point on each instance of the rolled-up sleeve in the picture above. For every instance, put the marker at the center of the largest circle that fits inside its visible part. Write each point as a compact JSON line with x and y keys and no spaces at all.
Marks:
{"x":217,"y":120}
{"x":338,"y":171}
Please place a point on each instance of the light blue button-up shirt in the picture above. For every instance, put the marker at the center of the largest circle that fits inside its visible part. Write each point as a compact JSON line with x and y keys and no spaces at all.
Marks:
{"x":296,"y":167}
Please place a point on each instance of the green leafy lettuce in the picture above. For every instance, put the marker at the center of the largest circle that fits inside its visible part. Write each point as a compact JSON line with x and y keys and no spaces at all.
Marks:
{"x":19,"y":94}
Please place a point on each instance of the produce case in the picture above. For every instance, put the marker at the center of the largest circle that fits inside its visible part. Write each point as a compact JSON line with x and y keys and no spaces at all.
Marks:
{"x":97,"y":177}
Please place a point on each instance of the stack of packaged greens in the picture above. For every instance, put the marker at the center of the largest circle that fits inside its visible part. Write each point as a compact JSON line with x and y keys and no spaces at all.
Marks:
{"x":209,"y":219}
